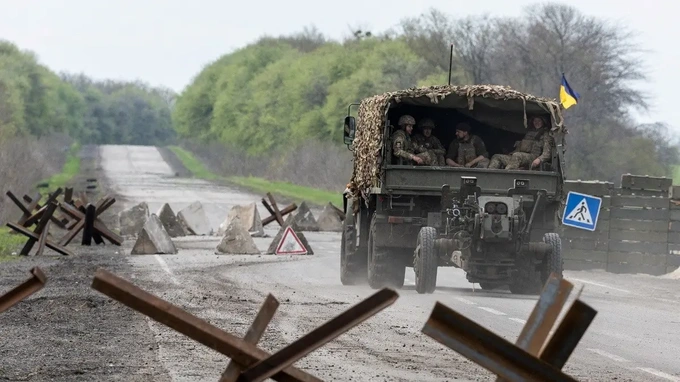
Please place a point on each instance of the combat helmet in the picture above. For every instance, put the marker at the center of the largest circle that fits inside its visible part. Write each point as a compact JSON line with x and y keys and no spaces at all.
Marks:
{"x":406,"y":120}
{"x":427,"y":123}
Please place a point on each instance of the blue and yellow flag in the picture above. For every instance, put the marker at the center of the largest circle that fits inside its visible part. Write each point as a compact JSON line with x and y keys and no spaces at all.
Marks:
{"x":568,"y":97}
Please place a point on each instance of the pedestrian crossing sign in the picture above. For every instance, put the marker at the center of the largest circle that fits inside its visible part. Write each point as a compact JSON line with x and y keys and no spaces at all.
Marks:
{"x":581,"y":211}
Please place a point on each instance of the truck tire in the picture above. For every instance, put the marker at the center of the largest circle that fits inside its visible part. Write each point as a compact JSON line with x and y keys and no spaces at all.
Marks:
{"x":553,"y":263}
{"x":384,"y":270}
{"x":425,"y":261}
{"x":527,"y":279}
{"x":352,"y":263}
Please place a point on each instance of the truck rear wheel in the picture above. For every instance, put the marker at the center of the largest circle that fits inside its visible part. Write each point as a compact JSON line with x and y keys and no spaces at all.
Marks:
{"x":384,"y":270}
{"x":426,"y":262}
{"x":352,"y":263}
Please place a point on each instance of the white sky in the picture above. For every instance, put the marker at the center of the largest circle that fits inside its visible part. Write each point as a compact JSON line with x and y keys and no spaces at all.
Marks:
{"x":167,"y":42}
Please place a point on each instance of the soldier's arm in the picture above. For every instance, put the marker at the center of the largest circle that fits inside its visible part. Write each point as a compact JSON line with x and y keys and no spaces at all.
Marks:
{"x":397,"y":148}
{"x":452,"y":154}
{"x":546,"y":154}
{"x":480,"y":148}
{"x":438,"y":148}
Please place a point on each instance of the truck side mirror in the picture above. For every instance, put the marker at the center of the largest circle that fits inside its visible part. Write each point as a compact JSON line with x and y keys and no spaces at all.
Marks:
{"x":349,"y":130}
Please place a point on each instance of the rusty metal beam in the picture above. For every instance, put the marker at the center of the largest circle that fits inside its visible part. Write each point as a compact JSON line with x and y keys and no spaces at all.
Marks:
{"x":548,"y":307}
{"x":568,"y":334}
{"x":320,"y":336}
{"x":253,"y":335}
{"x":488,"y":349}
{"x":33,"y":284}
{"x":241,"y":352}
{"x":545,"y":313}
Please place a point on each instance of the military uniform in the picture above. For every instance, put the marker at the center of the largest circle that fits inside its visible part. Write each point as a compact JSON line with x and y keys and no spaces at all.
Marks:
{"x":430,"y":144}
{"x":537,"y":143}
{"x":463,"y":152}
{"x":404,"y":147}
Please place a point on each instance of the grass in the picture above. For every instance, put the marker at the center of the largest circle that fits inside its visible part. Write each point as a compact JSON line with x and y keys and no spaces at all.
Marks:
{"x":292,"y":191}
{"x":9,"y":243}
{"x":71,"y":169}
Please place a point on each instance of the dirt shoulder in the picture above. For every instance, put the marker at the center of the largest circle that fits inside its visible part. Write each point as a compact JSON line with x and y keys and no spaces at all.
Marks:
{"x":68,"y":331}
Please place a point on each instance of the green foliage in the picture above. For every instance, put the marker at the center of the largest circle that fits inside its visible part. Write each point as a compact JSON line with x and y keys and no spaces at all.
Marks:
{"x":35,"y":101}
{"x":123,"y":112}
{"x":271,"y":95}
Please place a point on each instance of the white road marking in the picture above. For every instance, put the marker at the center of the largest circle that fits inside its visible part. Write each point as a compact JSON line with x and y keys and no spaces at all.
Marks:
{"x":521,"y":321}
{"x":493,"y":311}
{"x":166,"y":268}
{"x":608,"y":355}
{"x":659,"y":374}
{"x":601,"y":285}
{"x":466,"y":301}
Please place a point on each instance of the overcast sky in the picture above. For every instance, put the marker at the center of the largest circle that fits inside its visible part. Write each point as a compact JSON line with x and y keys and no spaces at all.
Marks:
{"x":167,"y":42}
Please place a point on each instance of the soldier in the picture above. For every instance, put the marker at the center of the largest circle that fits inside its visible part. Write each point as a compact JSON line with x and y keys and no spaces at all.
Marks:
{"x":468,"y":150}
{"x":531,"y":151}
{"x":404,"y":147}
{"x":429,"y":142}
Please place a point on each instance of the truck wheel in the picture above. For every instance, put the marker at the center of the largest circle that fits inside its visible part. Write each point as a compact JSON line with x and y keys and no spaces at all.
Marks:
{"x":527,"y":279}
{"x":383,"y":270}
{"x":425,"y":262}
{"x":553,"y":262}
{"x":352,"y":264}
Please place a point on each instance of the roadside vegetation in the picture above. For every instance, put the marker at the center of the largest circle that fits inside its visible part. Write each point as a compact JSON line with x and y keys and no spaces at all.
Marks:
{"x":293,"y":192}
{"x":274,"y":108}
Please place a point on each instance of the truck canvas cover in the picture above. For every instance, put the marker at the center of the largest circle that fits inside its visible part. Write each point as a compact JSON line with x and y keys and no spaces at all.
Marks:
{"x":503,"y":108}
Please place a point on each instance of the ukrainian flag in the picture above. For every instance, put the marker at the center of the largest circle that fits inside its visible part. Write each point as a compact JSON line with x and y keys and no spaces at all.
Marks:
{"x":568,"y":97}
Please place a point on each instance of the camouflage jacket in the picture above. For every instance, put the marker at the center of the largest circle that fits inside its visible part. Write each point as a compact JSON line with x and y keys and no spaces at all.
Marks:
{"x":537,"y":143}
{"x":430,"y":143}
{"x":403,"y":146}
{"x":475,"y":141}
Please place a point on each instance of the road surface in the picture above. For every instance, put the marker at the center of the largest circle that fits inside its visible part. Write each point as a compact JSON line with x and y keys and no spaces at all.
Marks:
{"x":633,"y":338}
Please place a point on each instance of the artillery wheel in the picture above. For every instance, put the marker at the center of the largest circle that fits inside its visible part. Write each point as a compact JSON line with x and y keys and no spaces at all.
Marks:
{"x":425,"y":261}
{"x":553,"y":263}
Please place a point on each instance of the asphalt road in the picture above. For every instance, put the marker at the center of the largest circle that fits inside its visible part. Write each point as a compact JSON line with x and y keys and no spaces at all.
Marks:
{"x":635,"y":336}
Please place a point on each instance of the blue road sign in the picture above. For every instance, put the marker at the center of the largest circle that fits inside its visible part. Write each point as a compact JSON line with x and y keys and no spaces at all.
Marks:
{"x":581,"y":211}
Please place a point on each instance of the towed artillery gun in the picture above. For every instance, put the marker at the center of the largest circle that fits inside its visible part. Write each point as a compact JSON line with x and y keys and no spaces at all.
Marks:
{"x":399,"y":214}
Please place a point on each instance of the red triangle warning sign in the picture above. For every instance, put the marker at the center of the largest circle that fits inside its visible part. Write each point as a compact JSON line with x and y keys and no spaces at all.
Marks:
{"x":290,"y":244}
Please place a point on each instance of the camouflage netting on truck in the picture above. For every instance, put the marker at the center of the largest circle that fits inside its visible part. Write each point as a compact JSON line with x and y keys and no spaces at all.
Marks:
{"x":371,"y":118}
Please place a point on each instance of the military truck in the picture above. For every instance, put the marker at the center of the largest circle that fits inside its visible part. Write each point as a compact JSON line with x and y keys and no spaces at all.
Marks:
{"x":499,"y":226}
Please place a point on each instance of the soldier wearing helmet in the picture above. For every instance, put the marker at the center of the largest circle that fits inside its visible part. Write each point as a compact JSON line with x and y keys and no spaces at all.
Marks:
{"x":402,"y":144}
{"x":530,"y":152}
{"x":468,"y":150}
{"x":429,"y":142}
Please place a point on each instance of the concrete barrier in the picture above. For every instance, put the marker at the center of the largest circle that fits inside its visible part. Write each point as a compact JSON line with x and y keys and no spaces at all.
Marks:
{"x":237,"y":240}
{"x":194,"y":220}
{"x":170,"y":222}
{"x":153,"y":239}
{"x":249,"y":217}
{"x":132,"y":220}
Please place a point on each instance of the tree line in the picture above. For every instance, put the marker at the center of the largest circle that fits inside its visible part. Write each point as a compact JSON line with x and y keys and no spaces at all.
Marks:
{"x":287,"y":93}
{"x":279,"y":92}
{"x":35,"y":101}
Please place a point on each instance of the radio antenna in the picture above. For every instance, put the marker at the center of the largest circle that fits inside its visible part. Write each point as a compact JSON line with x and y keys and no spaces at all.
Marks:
{"x":450,"y":63}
